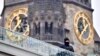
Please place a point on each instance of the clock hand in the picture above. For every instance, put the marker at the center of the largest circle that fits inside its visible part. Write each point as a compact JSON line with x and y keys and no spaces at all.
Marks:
{"x":83,"y":31}
{"x":18,"y":23}
{"x":84,"y":23}
{"x":27,"y":30}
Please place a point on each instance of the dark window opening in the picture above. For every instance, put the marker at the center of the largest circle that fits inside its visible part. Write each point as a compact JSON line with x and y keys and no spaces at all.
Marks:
{"x":84,"y":1}
{"x":37,"y":28}
{"x":48,"y":27}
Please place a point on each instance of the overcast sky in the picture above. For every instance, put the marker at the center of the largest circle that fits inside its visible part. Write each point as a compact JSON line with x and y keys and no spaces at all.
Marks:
{"x":1,"y":6}
{"x":96,"y":15}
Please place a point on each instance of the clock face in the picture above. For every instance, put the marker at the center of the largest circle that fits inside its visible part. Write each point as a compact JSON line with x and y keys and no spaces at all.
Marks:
{"x":17,"y":21}
{"x":83,"y":28}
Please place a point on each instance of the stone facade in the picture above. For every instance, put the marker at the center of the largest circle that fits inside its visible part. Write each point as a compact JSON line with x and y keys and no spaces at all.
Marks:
{"x":71,"y":10}
{"x":57,"y":14}
{"x":48,"y":13}
{"x":97,"y":44}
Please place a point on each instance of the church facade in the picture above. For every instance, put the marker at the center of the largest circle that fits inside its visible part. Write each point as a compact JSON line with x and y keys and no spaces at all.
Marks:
{"x":51,"y":21}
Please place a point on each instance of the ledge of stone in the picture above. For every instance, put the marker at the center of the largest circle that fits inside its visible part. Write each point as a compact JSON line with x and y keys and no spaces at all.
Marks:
{"x":78,"y":4}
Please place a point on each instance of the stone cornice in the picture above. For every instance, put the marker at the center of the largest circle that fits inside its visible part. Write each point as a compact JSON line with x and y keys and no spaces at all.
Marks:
{"x":88,"y":7}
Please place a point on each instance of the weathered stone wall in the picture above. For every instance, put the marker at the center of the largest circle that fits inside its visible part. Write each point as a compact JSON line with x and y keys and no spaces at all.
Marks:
{"x":45,"y":8}
{"x":8,"y":10}
{"x":50,"y":11}
{"x":71,"y":10}
{"x":10,"y":2}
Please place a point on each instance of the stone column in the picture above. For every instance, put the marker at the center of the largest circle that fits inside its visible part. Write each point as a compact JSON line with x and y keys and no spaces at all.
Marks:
{"x":42,"y":25}
{"x":30,"y":18}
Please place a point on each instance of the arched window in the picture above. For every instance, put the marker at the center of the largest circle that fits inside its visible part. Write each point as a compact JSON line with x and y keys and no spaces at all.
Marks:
{"x":48,"y":27}
{"x":37,"y":28}
{"x":85,"y":1}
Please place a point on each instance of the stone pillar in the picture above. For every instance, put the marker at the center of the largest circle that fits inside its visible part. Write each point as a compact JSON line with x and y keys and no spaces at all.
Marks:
{"x":30,"y":18}
{"x":42,"y":25}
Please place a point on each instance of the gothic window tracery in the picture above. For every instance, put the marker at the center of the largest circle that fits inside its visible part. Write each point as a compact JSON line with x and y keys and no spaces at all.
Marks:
{"x":48,"y":27}
{"x":37,"y":28}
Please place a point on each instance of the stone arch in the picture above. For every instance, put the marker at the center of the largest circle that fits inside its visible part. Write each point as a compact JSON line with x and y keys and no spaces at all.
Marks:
{"x":36,"y":16}
{"x":49,"y":16}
